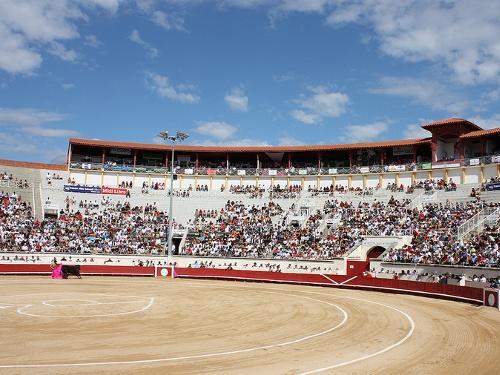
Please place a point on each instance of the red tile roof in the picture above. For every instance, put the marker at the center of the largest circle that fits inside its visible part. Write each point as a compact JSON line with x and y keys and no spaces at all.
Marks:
{"x":26,"y":164}
{"x":450,"y":121}
{"x":214,"y":149}
{"x":480,"y":133}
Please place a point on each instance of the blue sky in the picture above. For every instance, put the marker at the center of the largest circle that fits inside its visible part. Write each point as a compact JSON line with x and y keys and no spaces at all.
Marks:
{"x":241,"y":72}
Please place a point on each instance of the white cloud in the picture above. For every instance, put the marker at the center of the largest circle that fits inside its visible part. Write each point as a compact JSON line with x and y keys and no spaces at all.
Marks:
{"x":30,"y":27}
{"x":429,"y":93}
{"x":57,"y":49}
{"x":30,"y":121}
{"x":306,"y":118}
{"x":364,"y":133}
{"x":168,"y":21}
{"x":244,"y":142}
{"x":162,"y":87}
{"x":415,"y":131}
{"x":237,"y":100}
{"x":28,"y":117}
{"x":488,"y":122}
{"x":136,"y":38}
{"x":287,"y":140}
{"x":219,"y":130}
{"x":68,"y":86}
{"x":92,"y":41}
{"x":321,"y":103}
{"x":15,"y":143}
{"x":283,"y":77}
{"x":461,"y":34}
{"x":50,"y":132}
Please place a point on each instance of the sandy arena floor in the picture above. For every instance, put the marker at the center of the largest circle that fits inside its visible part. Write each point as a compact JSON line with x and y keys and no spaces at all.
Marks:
{"x":160,"y":326}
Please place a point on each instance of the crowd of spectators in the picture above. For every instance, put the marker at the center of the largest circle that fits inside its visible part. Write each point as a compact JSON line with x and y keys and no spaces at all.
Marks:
{"x":117,"y":228}
{"x":9,"y":180}
{"x":436,"y":246}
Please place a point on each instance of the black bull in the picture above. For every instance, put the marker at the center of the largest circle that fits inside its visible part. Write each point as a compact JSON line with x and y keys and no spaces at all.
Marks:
{"x":70,"y":270}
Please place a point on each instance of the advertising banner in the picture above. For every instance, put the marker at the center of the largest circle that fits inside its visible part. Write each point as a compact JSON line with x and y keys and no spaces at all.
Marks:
{"x":189,"y":171}
{"x":212,"y":172}
{"x":396,"y":168}
{"x":445,"y":165}
{"x":241,"y":172}
{"x":82,"y":189}
{"x":364,"y":169}
{"x":426,"y":166}
{"x":495,"y":159}
{"x":120,"y":151}
{"x":272,"y":172}
{"x":303,"y":172}
{"x":402,"y":150}
{"x":114,"y":191}
{"x":474,"y":162}
{"x":332,"y":171}
{"x":493,"y":186}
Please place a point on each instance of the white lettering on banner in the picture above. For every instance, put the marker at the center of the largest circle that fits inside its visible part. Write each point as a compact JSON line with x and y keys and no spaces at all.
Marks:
{"x":302,"y":171}
{"x":188,"y":171}
{"x":495,"y":159}
{"x":402,"y":150}
{"x":241,"y":172}
{"x":445,"y":165}
{"x":332,"y":171}
{"x":272,"y":172}
{"x":114,"y":191}
{"x":120,"y":151}
{"x":364,"y":169}
{"x":396,"y":168}
{"x":474,"y":162}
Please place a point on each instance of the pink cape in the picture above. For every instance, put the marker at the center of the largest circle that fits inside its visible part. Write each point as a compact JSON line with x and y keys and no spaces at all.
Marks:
{"x":57,"y":272}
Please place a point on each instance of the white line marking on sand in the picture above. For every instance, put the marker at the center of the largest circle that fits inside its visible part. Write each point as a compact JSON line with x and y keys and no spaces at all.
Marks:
{"x":206,"y":355}
{"x":22,"y":311}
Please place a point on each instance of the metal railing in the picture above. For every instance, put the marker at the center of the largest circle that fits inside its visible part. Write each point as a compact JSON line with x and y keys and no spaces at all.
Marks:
{"x":285,"y":172}
{"x":476,"y":221}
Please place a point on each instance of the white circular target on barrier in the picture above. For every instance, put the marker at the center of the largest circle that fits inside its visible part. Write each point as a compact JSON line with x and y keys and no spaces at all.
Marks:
{"x":491,"y":299}
{"x":164,"y":272}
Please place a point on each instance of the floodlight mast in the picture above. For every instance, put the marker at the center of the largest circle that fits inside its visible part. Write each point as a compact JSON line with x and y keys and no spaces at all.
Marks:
{"x":178,"y":137}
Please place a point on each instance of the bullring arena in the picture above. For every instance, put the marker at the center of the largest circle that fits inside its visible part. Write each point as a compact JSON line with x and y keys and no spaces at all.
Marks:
{"x":123,"y":325}
{"x":379,"y":257}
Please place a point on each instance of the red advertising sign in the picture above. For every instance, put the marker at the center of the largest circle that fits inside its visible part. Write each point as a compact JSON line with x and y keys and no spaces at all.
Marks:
{"x":212,"y":172}
{"x":115,"y":191}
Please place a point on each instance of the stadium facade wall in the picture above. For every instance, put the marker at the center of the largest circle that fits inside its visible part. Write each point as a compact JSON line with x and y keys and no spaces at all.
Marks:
{"x":460,"y":175}
{"x":451,"y":292}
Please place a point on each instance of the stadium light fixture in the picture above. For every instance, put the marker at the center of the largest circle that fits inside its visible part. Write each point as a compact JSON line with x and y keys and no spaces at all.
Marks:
{"x":178,"y":137}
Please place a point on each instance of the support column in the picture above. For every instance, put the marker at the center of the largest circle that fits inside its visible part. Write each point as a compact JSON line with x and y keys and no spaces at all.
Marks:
{"x":289,"y":160}
{"x":135,"y":158}
{"x":365,"y":178}
{"x":350,"y":158}
{"x":434,"y":149}
{"x":227,"y":162}
{"x":258,"y":161}
{"x":103,"y":156}
{"x":349,"y":181}
{"x":464,"y":175}
{"x":197,"y":163}
{"x":382,"y":161}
